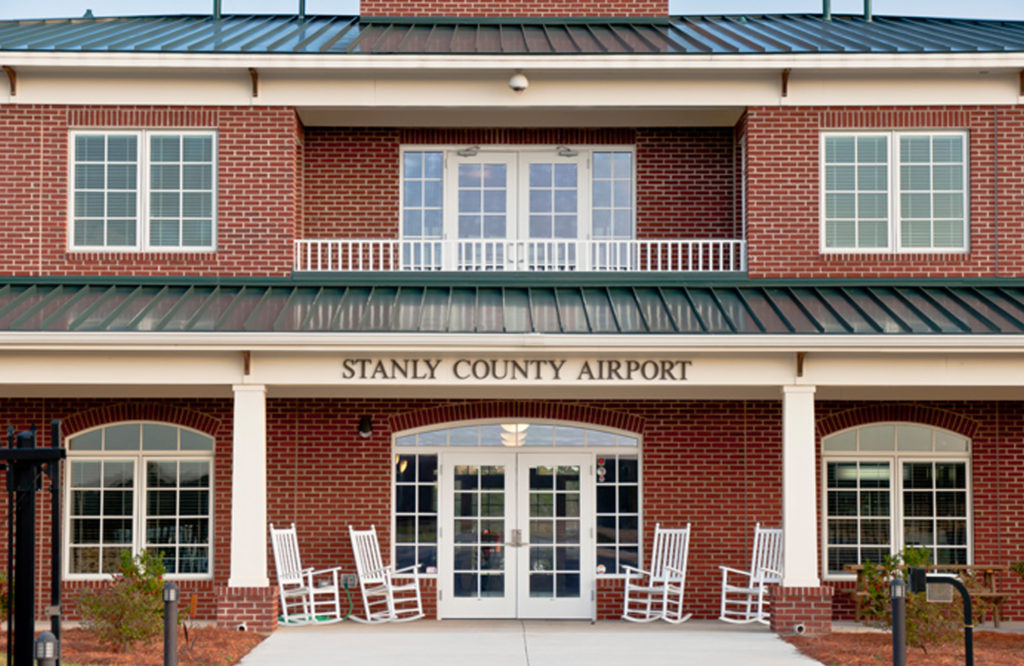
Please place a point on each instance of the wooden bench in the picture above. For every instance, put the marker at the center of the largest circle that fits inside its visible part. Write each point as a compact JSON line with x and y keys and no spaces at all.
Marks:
{"x":988,"y":591}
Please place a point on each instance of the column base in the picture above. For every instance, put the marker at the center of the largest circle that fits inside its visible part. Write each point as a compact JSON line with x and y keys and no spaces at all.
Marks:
{"x":247,"y":608}
{"x":801,"y":610}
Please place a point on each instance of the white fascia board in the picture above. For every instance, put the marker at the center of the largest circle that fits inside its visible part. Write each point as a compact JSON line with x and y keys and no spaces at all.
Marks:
{"x":867,"y":61}
{"x":506,"y":343}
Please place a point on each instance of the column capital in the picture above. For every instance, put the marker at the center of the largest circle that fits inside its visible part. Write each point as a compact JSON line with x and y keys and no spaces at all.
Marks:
{"x":253,"y":388}
{"x":799,"y":388}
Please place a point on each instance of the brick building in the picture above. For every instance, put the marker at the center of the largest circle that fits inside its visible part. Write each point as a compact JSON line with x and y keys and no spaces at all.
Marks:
{"x":336,"y":270}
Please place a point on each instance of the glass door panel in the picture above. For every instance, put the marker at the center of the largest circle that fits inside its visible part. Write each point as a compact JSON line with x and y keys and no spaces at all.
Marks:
{"x":552,"y":204}
{"x":555,"y":566}
{"x":475,"y":574}
{"x":484,"y":210}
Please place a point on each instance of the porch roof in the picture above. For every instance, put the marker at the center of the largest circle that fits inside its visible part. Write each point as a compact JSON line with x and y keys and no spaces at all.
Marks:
{"x":514,"y":303}
{"x":349,"y":35}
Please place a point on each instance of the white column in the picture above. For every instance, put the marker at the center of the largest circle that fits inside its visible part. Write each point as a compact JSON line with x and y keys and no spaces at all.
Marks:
{"x":249,"y":488}
{"x":799,"y":498}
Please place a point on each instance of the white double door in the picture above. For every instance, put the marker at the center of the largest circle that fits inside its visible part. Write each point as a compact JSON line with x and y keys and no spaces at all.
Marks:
{"x":517,"y":210}
{"x":516,"y":535}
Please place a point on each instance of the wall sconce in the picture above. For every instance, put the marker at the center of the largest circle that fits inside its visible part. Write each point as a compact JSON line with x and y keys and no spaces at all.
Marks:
{"x":365,"y":427}
{"x":566,"y":151}
{"x":468,"y":152}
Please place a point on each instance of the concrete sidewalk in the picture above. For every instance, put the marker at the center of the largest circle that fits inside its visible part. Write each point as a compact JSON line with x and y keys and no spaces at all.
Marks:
{"x":526,"y":643}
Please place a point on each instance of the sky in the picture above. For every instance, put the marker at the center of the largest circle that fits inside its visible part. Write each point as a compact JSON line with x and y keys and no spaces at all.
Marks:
{"x":995,"y":9}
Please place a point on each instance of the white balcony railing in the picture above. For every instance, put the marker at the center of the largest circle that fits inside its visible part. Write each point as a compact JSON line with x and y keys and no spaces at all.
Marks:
{"x":691,"y":256}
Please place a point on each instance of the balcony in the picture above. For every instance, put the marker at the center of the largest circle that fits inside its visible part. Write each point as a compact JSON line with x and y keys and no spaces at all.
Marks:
{"x":644,"y":255}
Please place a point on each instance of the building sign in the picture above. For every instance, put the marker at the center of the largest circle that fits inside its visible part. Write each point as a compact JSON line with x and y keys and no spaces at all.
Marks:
{"x":513,"y":370}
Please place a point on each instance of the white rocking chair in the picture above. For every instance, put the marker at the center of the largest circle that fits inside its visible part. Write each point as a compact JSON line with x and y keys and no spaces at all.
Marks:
{"x":658,"y":594}
{"x":307,"y":596}
{"x":743,"y":594}
{"x":383,"y":600}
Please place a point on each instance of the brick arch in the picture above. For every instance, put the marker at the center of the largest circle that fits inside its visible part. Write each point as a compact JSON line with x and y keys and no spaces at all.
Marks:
{"x":912,"y":413}
{"x":140,"y":412}
{"x":509,"y":409}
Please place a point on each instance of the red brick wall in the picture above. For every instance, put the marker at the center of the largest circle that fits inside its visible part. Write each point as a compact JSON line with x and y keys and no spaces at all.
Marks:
{"x":519,"y":8}
{"x":257,"y":198}
{"x":716,"y":464}
{"x":784,"y":204}
{"x":685,"y":177}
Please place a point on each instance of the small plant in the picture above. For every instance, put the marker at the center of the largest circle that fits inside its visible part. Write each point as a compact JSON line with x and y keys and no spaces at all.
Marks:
{"x":929,"y":624}
{"x":130,"y":608}
{"x":1017,"y":568}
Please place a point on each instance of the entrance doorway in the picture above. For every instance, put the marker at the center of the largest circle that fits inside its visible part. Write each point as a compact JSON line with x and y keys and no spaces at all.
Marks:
{"x":514,"y":538}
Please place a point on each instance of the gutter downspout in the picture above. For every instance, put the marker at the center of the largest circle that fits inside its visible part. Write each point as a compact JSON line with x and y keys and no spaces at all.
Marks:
{"x":995,"y":182}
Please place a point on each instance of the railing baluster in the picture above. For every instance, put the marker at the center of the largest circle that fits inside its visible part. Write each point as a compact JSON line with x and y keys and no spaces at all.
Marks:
{"x":653,"y":255}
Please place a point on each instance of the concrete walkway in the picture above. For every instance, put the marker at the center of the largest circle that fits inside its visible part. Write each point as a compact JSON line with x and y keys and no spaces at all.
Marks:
{"x":525,"y":643}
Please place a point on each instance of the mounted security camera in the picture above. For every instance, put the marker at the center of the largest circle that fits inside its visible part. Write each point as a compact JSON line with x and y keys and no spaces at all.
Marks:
{"x":518,"y":82}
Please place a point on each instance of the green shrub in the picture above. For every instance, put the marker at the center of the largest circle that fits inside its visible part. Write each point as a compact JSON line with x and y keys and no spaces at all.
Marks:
{"x":5,"y":597}
{"x":929,"y":624}
{"x":130,"y":608}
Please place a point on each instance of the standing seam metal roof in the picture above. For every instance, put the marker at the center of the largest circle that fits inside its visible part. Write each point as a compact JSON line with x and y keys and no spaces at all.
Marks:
{"x":681,"y":35}
{"x":440,"y":305}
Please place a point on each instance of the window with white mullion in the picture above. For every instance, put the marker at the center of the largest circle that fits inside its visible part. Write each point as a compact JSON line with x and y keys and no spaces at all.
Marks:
{"x":612,"y":210}
{"x":178,"y":513}
{"x":105,"y":204}
{"x":932,"y":191}
{"x":142,"y":190}
{"x":935,"y":509}
{"x":422,"y":207}
{"x":102,"y":513}
{"x":859,"y":513}
{"x":180,"y":190}
{"x":902,"y":191}
{"x":856,"y":191}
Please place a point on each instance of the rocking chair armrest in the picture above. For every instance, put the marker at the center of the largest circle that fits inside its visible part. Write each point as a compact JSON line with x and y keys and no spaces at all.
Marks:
{"x":726,"y":570}
{"x":634,"y":571}
{"x":672,"y":569}
{"x":318,"y":572}
{"x":400,"y":573}
{"x":765,"y":570}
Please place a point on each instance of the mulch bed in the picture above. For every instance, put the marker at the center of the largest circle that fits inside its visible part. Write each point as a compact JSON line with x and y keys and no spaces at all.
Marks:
{"x":210,"y":646}
{"x":860,"y":649}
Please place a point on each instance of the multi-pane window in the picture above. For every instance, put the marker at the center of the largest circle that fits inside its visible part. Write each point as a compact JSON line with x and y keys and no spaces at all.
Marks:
{"x":890,"y":486}
{"x":416,"y":511}
{"x":143,"y":189}
{"x":618,"y":512}
{"x":422,"y":207}
{"x":135,"y":487}
{"x":894,"y":191}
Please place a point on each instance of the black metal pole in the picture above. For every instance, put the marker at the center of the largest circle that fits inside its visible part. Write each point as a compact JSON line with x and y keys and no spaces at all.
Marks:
{"x":53,"y":470}
{"x":968,"y":620}
{"x":170,"y":596}
{"x":24,"y":553}
{"x":898,"y":595}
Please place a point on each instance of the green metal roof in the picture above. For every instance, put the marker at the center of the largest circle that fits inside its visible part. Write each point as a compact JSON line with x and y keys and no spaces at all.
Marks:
{"x":679,"y":35}
{"x":442,"y":304}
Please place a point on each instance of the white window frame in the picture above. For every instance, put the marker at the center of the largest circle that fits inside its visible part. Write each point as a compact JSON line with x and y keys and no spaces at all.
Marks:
{"x":895,"y":459}
{"x":894,"y":244}
{"x":142,"y":191}
{"x":518,"y":222}
{"x":595,"y":451}
{"x":139,"y":490}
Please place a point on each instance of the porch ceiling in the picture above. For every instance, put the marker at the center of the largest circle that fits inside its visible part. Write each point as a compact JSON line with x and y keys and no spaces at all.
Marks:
{"x":512,"y":303}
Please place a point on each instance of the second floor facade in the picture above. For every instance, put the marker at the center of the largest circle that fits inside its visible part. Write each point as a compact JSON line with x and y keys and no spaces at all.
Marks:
{"x":194,"y":165}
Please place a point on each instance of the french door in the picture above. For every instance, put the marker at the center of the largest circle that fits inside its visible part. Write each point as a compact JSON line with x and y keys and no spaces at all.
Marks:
{"x":516,"y":536}
{"x":516,"y":211}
